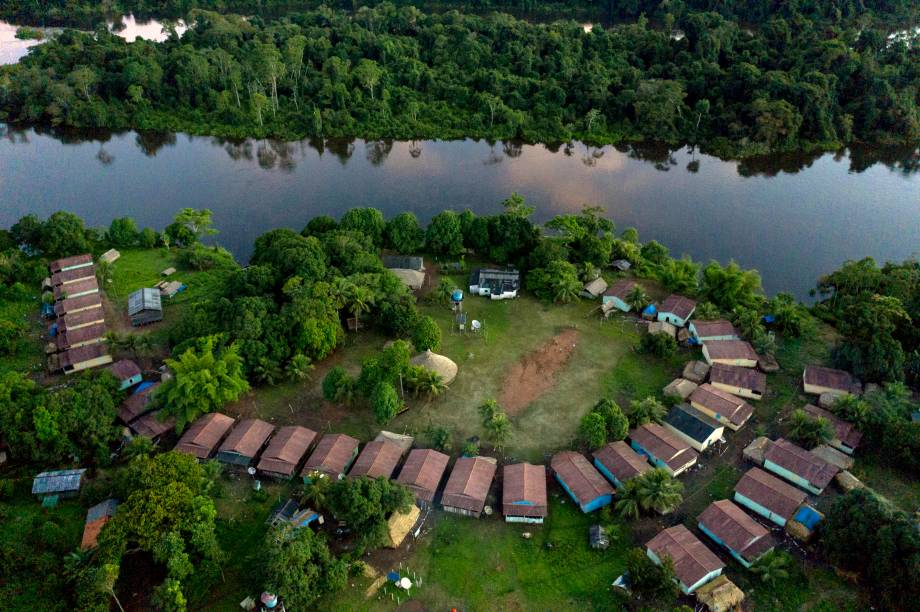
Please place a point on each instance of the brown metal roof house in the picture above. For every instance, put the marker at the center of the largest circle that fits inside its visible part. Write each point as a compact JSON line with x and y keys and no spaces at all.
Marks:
{"x":818,"y":380}
{"x":72,"y":276}
{"x":663,"y":448}
{"x":76,"y":320}
{"x":283,"y":454}
{"x":524,"y":493}
{"x":85,"y":286}
{"x":615,"y":295}
{"x":730,"y":352}
{"x":768,"y":496}
{"x":96,"y":518}
{"x":77,"y":304}
{"x":422,"y":472}
{"x":151,"y":426}
{"x":245,"y":442}
{"x":676,"y":310}
{"x":725,"y":408}
{"x":378,"y":459}
{"x":584,"y":484}
{"x":127,"y":372}
{"x":694,"y":564}
{"x":331,"y":457}
{"x":727,"y":524}
{"x":619,"y":463}
{"x":846,"y":437}
{"x":137,"y":404}
{"x":69,"y":263}
{"x":71,"y":339}
{"x":707,"y":331}
{"x":204,"y":435}
{"x":79,"y":359}
{"x":468,"y":486}
{"x":799,"y":466}
{"x":743,"y":382}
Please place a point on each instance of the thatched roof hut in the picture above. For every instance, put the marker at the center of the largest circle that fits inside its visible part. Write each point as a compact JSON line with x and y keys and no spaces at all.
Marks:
{"x":440,"y":364}
{"x":720,"y":595}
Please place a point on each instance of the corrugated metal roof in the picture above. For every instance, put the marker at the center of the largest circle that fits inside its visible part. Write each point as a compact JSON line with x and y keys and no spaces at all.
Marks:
{"x":778,"y":497}
{"x":247,"y":437}
{"x":843,"y":430}
{"x":332,"y":455}
{"x":622,"y":461}
{"x":691,"y":422}
{"x":524,"y":490}
{"x":735,"y":376}
{"x":691,"y":558}
{"x":469,"y":482}
{"x":710,"y":329}
{"x":582,"y":478}
{"x":678,"y":305}
{"x":378,"y":459}
{"x":144,"y":299}
{"x":57,"y":481}
{"x":664,"y":445}
{"x":620,"y":289}
{"x":422,"y":472}
{"x":204,"y":435}
{"x":286,"y":449}
{"x":730,"y":349}
{"x":104,"y":508}
{"x":736,"y":529}
{"x":66,"y":262}
{"x":733,"y":408}
{"x":820,"y":376}
{"x":815,"y":470}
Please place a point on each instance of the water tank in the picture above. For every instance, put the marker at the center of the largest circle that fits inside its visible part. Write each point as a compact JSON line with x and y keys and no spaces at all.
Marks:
{"x":457,"y":295}
{"x":269,"y":600}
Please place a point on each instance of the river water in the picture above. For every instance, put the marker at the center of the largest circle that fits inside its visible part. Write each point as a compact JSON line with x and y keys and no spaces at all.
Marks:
{"x":792,"y":218}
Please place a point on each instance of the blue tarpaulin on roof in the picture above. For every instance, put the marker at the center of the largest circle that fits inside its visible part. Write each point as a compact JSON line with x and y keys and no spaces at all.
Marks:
{"x":768,"y":318}
{"x":142,"y":386}
{"x":808,"y":516}
{"x":650,"y":309}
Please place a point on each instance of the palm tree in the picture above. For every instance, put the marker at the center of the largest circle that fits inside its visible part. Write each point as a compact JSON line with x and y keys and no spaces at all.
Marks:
{"x":659,"y":491}
{"x":499,"y":429}
{"x":566,"y":289}
{"x":267,"y":371}
{"x":316,"y":492}
{"x":360,"y":301}
{"x":772,"y":567}
{"x":339,"y":290}
{"x":637,"y":298}
{"x":642,"y":412}
{"x":429,"y":382}
{"x":627,"y":505}
{"x":299,"y":368}
{"x":809,"y":430}
{"x":748,"y":323}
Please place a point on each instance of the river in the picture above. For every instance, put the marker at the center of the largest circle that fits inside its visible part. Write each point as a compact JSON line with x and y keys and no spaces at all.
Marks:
{"x":793,"y":218}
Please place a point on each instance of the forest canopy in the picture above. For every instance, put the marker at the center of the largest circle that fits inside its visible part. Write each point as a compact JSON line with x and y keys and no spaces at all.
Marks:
{"x":388,"y":72}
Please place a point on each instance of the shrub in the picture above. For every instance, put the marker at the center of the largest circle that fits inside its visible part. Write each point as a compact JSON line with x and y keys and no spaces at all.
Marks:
{"x":470,"y":448}
{"x":659,"y":345}
{"x":385,"y":402}
{"x":426,"y":335}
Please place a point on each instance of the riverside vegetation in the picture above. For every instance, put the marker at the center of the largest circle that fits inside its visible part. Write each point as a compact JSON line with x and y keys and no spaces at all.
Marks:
{"x":277,"y":325}
{"x":797,"y":79}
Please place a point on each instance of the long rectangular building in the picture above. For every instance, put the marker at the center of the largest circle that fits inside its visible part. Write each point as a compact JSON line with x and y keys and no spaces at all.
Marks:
{"x":524,"y":493}
{"x":468,"y":486}
{"x":205,"y":434}
{"x":422,"y":472}
{"x":663,"y":448}
{"x":743,"y":382}
{"x":799,"y":466}
{"x":768,"y":496}
{"x":584,"y":484}
{"x":732,"y":412}
{"x":727,"y":524}
{"x":285,"y":450}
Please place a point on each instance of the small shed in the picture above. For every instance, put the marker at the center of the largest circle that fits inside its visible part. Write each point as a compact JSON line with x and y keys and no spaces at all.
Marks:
{"x":615,"y":295}
{"x":754,"y":451}
{"x":595,"y":288}
{"x":694,"y":564}
{"x":730,"y":352}
{"x":803,"y":524}
{"x":743,"y":382}
{"x":662,"y":327}
{"x":663,"y":448}
{"x":96,"y":518}
{"x":818,"y":379}
{"x":799,"y":466}
{"x":598,"y":538}
{"x":847,"y":482}
{"x":422,"y":472}
{"x":413,"y":279}
{"x":768,"y":496}
{"x":127,"y":372}
{"x":378,"y":459}
{"x":693,"y":427}
{"x":720,"y":595}
{"x":245,"y":442}
{"x":619,"y":463}
{"x":468,"y":486}
{"x":58,"y":483}
{"x":676,"y":310}
{"x":495,"y":284}
{"x":680,"y":388}
{"x":403,"y":262}
{"x":109,"y":256}
{"x":584,"y":484}
{"x":621,"y":264}
{"x":205,"y":434}
{"x":331,"y":457}
{"x":833,"y":456}
{"x":728,"y":525}
{"x":524,"y":493}
{"x":696,"y":371}
{"x":145,"y":307}
{"x":727,"y":409}
{"x":285,"y":451}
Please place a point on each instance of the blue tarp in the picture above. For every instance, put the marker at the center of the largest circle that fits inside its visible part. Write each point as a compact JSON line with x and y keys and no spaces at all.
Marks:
{"x":47,"y":310}
{"x":808,"y":516}
{"x":650,"y":309}
{"x":393,"y":577}
{"x":53,"y":330}
{"x":769,"y":318}
{"x":142,"y":386}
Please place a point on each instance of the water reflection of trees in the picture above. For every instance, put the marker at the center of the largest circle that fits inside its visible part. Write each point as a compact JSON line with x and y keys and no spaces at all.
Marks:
{"x":151,"y":142}
{"x":377,"y":151}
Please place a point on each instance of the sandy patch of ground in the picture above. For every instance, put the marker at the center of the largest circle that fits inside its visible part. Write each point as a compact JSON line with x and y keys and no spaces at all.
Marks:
{"x":535,"y":373}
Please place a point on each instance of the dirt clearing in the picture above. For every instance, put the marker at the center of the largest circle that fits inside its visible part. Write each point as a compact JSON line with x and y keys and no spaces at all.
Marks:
{"x":535,"y":374}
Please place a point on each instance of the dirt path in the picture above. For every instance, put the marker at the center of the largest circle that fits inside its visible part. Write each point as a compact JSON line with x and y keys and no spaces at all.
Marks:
{"x":535,"y":374}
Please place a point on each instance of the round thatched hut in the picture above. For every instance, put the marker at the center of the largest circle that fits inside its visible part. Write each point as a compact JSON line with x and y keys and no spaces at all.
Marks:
{"x":436,"y":363}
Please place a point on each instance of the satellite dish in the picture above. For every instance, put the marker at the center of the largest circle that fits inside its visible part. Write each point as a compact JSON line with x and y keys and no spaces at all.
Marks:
{"x":475,"y":324}
{"x":405,"y":583}
{"x":251,"y":471}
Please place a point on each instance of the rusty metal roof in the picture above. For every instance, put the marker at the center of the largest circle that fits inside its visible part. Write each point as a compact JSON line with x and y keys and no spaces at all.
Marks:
{"x":620,"y":289}
{"x":151,"y":426}
{"x":378,"y":459}
{"x":582,"y":478}
{"x":664,"y":445}
{"x":730,"y":349}
{"x":137,"y":404}
{"x":286,"y":449}
{"x":124,"y":369}
{"x":622,"y":461}
{"x":524,"y":490}
{"x":815,"y":470}
{"x":735,"y":376}
{"x":777,"y":496}
{"x":733,"y":408}
{"x":828,"y":377}
{"x":469,"y":482}
{"x":843,"y":430}
{"x":736,"y":529}
{"x":247,"y":437}
{"x":66,"y":262}
{"x":710,"y":329}
{"x":422,"y":472}
{"x":332,"y":455}
{"x":691,"y":558}
{"x":678,"y":305}
{"x":204,"y":435}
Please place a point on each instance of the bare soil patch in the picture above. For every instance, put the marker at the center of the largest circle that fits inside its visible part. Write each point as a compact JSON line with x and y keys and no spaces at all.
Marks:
{"x":535,"y":373}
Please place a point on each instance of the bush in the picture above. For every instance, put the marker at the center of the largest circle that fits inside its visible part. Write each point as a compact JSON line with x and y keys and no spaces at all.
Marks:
{"x":593,"y":430}
{"x":7,"y":486}
{"x":385,"y":402}
{"x":439,"y":438}
{"x":659,"y":345}
{"x":617,"y":424}
{"x":335,"y":381}
{"x":426,"y":335}
{"x":470,"y":448}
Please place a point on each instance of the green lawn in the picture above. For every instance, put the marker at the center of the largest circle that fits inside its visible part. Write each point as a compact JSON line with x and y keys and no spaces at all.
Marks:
{"x":28,"y":353}
{"x":486,"y":564}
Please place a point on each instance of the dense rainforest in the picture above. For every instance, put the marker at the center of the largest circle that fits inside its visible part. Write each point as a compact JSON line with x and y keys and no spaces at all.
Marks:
{"x":388,"y":72}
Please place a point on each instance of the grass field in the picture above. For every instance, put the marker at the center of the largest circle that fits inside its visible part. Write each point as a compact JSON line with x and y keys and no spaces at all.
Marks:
{"x":28,"y":354}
